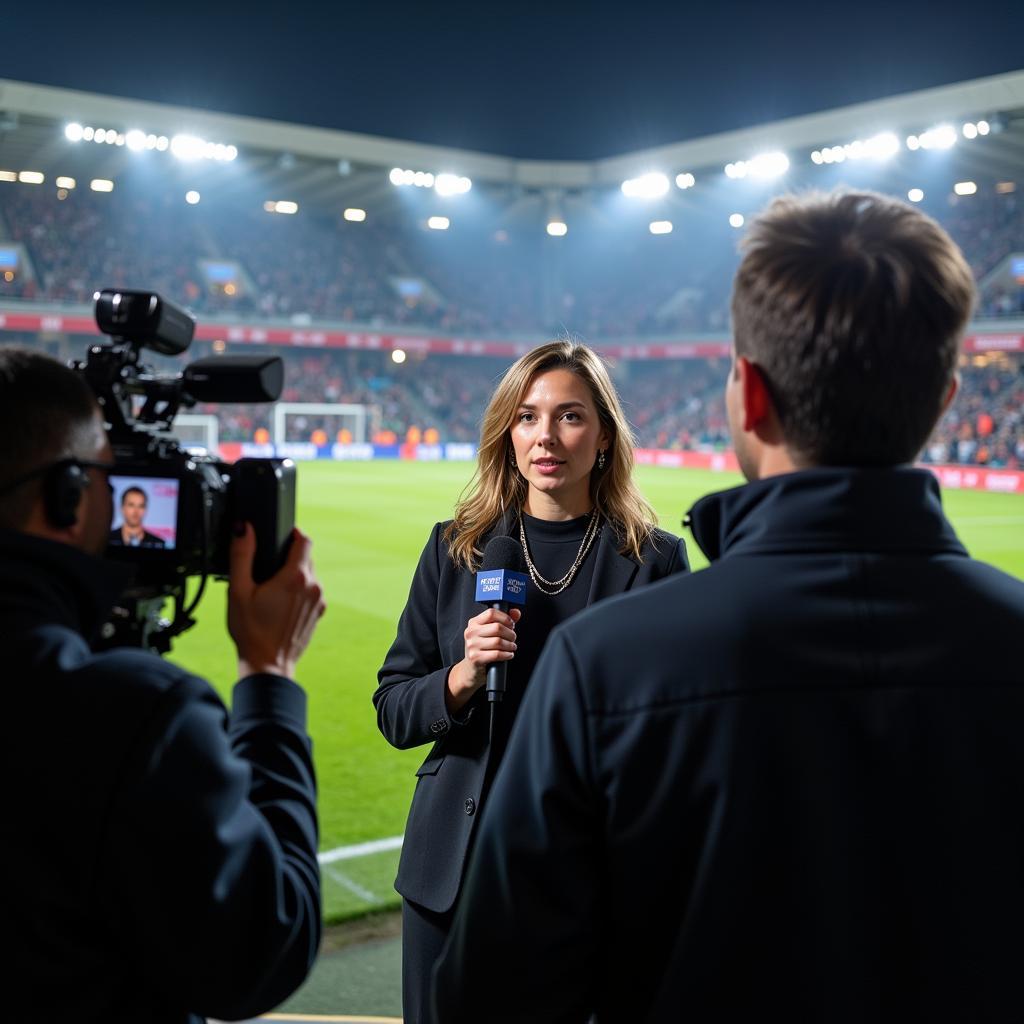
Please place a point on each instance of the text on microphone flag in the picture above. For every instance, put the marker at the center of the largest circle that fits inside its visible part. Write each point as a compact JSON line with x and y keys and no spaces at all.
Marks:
{"x":502,"y":585}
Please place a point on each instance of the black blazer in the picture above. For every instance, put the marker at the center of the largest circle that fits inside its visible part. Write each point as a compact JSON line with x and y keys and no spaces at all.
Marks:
{"x":410,"y":700}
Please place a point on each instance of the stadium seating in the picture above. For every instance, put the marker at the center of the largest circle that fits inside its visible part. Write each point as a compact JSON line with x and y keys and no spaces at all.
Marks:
{"x":602,"y":281}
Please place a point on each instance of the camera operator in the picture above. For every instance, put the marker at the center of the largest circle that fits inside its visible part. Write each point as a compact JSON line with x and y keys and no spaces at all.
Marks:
{"x":159,"y":852}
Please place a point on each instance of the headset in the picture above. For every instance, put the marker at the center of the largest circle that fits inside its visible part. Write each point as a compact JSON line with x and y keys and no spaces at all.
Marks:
{"x":64,"y":483}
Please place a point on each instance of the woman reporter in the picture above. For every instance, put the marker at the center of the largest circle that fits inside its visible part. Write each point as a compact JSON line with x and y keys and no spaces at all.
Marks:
{"x":555,"y":473}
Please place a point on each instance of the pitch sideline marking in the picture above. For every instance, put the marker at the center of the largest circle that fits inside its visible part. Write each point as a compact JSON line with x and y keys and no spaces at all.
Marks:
{"x":353,"y":886}
{"x":359,"y":850}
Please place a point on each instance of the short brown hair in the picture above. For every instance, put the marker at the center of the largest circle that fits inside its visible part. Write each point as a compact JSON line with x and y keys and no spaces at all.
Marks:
{"x":45,"y":409}
{"x":852,"y":305}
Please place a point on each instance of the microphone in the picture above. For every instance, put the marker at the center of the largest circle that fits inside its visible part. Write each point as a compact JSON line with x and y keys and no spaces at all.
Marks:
{"x":500,"y":583}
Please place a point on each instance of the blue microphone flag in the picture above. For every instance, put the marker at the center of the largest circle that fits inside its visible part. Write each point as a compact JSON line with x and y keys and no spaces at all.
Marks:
{"x":501,"y":585}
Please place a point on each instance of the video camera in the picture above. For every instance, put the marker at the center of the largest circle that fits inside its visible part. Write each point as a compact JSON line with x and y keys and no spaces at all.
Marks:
{"x":174,"y":509}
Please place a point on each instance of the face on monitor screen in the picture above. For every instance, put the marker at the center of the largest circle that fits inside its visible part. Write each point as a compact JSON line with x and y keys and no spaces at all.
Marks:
{"x":145,"y":512}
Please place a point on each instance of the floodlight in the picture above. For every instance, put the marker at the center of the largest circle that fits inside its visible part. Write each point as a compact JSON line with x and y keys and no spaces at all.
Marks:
{"x":969,"y":130}
{"x":983,"y":127}
{"x":1004,"y":188}
{"x":817,"y":158}
{"x":187,"y":147}
{"x":915,"y":195}
{"x":768,"y":165}
{"x":557,"y":228}
{"x":882,"y":146}
{"x":685,"y":180}
{"x":117,"y":140}
{"x":101,"y":185}
{"x":395,"y":177}
{"x":88,"y":133}
{"x":941,"y":137}
{"x":438,"y":223}
{"x":8,"y":176}
{"x":661,"y":227}
{"x":32,"y":177}
{"x":100,"y":135}
{"x":73,"y":132}
{"x":63,"y":182}
{"x":162,"y":143}
{"x":286,"y":206}
{"x":192,"y":197}
{"x":451,"y":185}
{"x":355,"y":215}
{"x":736,"y":220}
{"x":651,"y":185}
{"x":398,"y":355}
{"x":965,"y":188}
{"x":135,"y":140}
{"x":913,"y":142}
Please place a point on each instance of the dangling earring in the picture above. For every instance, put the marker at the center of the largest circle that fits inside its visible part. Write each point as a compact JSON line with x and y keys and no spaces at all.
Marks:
{"x":512,"y":457}
{"x":600,"y":459}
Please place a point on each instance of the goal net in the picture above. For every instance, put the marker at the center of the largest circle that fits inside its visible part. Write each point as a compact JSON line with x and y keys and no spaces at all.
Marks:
{"x":195,"y":430}
{"x":296,"y":421}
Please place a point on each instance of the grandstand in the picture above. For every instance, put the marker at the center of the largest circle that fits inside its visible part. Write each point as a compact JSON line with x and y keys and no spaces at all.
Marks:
{"x":325,"y":247}
{"x":347,"y":253}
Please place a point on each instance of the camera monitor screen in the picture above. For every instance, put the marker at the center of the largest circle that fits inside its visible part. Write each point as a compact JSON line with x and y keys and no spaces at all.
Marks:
{"x":145,"y":512}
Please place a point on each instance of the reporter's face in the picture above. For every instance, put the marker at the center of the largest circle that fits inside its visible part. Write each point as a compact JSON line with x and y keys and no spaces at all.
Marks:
{"x":556,"y":436}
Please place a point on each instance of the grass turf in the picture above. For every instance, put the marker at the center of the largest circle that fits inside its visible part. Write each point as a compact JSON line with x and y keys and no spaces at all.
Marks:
{"x":369,"y":522}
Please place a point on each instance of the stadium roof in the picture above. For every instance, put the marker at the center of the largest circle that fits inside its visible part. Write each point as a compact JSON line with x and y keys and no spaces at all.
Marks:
{"x":335,"y":166}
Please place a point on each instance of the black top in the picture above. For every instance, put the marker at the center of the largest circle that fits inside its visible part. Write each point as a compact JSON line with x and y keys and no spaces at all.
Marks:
{"x":553,"y":547}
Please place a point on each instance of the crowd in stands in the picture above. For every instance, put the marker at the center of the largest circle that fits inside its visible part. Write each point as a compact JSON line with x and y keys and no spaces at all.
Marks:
{"x":604,"y":280}
{"x":671,"y":404}
{"x":985,"y":424}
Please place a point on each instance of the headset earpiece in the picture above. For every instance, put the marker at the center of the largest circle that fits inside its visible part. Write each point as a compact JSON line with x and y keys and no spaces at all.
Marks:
{"x":63,"y":487}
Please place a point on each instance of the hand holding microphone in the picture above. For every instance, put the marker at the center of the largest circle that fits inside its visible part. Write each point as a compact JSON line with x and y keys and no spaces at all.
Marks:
{"x":490,"y":636}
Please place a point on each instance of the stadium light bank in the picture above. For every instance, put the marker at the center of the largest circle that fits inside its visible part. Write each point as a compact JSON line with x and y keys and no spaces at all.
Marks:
{"x":443,"y":184}
{"x":183,"y":146}
{"x":764,"y":166}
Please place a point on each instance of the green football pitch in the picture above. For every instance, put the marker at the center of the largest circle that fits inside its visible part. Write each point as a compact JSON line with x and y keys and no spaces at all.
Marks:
{"x":369,"y":522}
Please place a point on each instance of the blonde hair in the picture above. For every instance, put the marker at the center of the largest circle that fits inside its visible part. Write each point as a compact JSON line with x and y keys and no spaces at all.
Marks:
{"x":498,"y":485}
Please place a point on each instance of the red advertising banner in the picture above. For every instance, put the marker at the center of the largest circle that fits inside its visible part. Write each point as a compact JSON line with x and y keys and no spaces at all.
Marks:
{"x":978,"y":478}
{"x":970,"y":478}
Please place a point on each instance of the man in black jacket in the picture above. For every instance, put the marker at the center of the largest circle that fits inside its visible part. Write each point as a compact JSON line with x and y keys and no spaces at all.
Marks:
{"x":159,"y":854}
{"x":789,"y":784}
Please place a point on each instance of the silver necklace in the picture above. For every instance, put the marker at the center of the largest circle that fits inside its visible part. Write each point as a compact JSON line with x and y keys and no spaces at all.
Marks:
{"x":593,"y":529}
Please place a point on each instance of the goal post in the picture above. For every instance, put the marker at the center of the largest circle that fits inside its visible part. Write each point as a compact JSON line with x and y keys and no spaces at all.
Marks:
{"x":198,"y":430}
{"x":361,"y":420}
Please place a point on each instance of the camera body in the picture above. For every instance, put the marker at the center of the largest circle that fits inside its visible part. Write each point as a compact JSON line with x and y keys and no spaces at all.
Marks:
{"x":174,"y":509}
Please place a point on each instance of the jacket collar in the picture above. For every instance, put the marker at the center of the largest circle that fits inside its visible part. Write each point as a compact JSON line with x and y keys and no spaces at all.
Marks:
{"x":830,"y":509}
{"x":613,"y":571}
{"x":47,"y":581}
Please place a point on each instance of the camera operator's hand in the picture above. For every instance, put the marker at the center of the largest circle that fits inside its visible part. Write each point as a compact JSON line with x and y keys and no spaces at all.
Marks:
{"x":271,"y":623}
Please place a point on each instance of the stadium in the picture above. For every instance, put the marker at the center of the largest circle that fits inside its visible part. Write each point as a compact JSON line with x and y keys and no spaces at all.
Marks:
{"x":398,"y":280}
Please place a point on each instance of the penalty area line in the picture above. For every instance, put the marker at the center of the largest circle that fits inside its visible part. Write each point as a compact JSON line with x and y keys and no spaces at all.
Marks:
{"x":360,"y":850}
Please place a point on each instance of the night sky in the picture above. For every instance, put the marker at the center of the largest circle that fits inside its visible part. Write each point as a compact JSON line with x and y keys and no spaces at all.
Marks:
{"x":542,"y":80}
